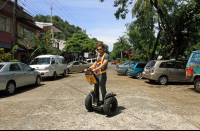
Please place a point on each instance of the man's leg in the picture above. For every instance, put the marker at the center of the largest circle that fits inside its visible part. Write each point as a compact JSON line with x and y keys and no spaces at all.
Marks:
{"x":96,"y":91}
{"x":102,"y":82}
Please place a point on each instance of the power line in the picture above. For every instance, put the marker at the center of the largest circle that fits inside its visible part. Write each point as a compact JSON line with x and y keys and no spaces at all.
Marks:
{"x":4,"y":4}
{"x":36,"y":7}
{"x":54,"y":9}
{"x":28,"y":7}
{"x":68,"y":13}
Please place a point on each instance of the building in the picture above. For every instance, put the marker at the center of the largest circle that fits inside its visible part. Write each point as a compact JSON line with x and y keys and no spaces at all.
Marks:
{"x":24,"y":22}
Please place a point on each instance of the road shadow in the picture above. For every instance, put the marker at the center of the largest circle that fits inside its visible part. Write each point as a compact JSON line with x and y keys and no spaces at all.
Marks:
{"x":120,"y":74}
{"x":20,"y":90}
{"x":170,"y":83}
{"x":119,"y":111}
{"x":51,"y":79}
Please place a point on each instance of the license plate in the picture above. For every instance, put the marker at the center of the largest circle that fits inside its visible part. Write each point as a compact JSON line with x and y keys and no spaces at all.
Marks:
{"x":147,"y":69}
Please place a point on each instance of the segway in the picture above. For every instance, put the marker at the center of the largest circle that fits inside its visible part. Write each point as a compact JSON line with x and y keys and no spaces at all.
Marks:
{"x":108,"y":105}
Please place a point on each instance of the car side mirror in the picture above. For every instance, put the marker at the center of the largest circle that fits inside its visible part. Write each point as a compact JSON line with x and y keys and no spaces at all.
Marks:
{"x":32,"y":69}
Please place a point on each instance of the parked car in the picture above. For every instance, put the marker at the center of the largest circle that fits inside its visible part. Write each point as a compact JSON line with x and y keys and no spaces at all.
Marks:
{"x":50,"y":65}
{"x":76,"y":66}
{"x":17,"y":74}
{"x":135,"y":70}
{"x":165,"y":71}
{"x":91,"y":61}
{"x":123,"y":68}
{"x":113,"y":62}
{"x":193,"y":69}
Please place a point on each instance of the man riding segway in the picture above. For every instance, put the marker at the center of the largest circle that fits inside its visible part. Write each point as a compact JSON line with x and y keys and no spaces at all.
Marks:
{"x":100,"y":68}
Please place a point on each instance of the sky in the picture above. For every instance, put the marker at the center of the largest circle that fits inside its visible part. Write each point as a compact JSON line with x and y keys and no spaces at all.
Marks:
{"x":96,"y":17}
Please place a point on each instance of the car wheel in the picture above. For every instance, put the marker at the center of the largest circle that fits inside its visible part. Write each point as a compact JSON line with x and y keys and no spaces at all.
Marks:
{"x":67,"y":71}
{"x":64,"y":73}
{"x":162,"y":80}
{"x":197,"y":85}
{"x":139,"y":75}
{"x":126,"y":73}
{"x":10,"y":88}
{"x":54,"y":76}
{"x":37,"y":82}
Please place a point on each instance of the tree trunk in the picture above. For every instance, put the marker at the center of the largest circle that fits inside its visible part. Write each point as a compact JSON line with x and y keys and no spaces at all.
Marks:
{"x":154,"y":49}
{"x":121,"y":56}
{"x":151,"y":38}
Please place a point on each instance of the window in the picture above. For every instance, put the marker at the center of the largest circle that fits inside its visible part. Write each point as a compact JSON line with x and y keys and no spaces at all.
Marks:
{"x":76,"y":63}
{"x":1,"y":66}
{"x":14,"y":67}
{"x":180,"y":65}
{"x":126,"y":63}
{"x":140,"y":65}
{"x":57,"y":61}
{"x":64,"y":61}
{"x":163,"y":65}
{"x":83,"y":62}
{"x":40,"y":61}
{"x":170,"y":65}
{"x":5,"y":24}
{"x":89,"y":61}
{"x":195,"y":58}
{"x":25,"y":67}
{"x":132,"y":65}
{"x":25,"y":31}
{"x":150,"y":64}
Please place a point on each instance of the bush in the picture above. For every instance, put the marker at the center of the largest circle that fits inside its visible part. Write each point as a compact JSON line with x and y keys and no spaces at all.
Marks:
{"x":8,"y":57}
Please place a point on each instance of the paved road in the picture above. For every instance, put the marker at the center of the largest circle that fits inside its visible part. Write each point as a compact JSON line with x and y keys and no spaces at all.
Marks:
{"x":60,"y":105}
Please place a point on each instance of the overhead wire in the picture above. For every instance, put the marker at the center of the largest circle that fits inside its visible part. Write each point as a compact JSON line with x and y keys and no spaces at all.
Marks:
{"x":37,"y":7}
{"x":55,"y":9}
{"x":28,"y":8}
{"x":69,"y":13}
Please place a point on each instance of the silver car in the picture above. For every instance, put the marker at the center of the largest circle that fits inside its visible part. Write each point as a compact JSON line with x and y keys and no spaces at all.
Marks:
{"x":77,"y":66}
{"x":165,"y":71}
{"x":17,"y":74}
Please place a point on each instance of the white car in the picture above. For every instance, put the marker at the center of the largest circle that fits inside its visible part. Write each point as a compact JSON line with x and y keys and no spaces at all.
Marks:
{"x":50,"y":65}
{"x":17,"y":74}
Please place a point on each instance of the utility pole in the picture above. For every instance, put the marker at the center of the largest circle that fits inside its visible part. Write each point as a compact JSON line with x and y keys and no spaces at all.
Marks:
{"x":14,"y":24}
{"x":51,"y":18}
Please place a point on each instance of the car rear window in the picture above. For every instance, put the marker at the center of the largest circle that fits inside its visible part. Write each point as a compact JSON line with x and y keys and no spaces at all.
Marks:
{"x":140,"y":65}
{"x":1,"y":66}
{"x":150,"y":64}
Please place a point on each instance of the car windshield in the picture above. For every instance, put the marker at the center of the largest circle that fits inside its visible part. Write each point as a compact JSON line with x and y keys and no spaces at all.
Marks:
{"x":70,"y":63}
{"x":126,"y":63}
{"x":40,"y":61}
{"x":150,"y":64}
{"x":1,"y":66}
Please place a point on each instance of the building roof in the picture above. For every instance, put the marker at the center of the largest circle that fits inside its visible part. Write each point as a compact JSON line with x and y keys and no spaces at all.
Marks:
{"x":50,"y":25}
{"x":20,"y":11}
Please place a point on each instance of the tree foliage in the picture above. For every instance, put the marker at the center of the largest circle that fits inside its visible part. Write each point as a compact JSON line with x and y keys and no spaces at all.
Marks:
{"x":8,"y":57}
{"x":178,"y":28}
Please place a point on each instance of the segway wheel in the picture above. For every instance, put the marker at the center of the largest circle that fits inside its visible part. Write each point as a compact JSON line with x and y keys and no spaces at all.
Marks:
{"x":110,"y":106}
{"x":88,"y":103}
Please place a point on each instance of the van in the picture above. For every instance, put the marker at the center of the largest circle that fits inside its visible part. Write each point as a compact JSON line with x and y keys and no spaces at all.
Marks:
{"x":50,"y":65}
{"x":193,"y":69}
{"x":165,"y":71}
{"x":91,"y":61}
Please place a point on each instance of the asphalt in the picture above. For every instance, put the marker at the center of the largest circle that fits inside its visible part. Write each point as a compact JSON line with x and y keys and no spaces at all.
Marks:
{"x":60,"y":105}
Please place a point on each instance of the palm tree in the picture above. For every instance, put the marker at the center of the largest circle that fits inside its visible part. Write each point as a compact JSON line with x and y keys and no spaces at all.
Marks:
{"x":122,"y":41}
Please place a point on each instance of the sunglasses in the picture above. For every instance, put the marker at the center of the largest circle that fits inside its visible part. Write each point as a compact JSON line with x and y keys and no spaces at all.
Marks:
{"x":99,"y":49}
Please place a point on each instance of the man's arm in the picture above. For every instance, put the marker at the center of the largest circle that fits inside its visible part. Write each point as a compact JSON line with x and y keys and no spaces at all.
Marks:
{"x":94,"y":65}
{"x":103,"y":65}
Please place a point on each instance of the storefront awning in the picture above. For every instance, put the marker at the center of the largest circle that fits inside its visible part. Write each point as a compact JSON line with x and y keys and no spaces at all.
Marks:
{"x":8,"y":46}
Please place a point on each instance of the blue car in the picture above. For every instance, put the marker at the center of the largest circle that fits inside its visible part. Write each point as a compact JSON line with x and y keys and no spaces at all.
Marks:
{"x":135,"y":70}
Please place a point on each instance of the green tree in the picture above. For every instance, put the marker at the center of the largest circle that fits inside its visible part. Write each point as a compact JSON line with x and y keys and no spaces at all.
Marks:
{"x":8,"y":57}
